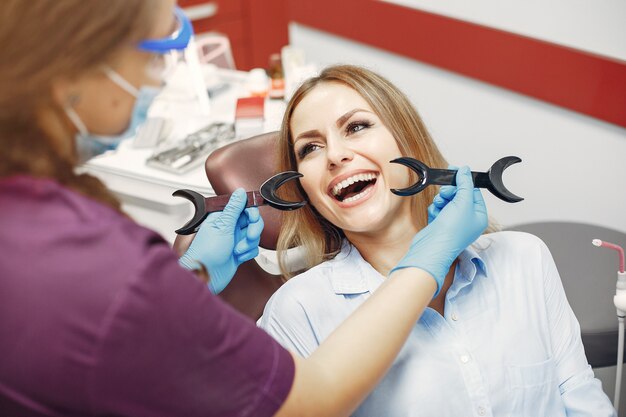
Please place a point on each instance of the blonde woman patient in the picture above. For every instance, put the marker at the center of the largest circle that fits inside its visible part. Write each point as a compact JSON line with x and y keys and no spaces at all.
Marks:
{"x":498,"y":339}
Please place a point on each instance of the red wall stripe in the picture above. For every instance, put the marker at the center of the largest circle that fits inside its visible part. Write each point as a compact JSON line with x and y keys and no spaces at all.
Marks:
{"x":268,"y":30}
{"x":577,"y":80}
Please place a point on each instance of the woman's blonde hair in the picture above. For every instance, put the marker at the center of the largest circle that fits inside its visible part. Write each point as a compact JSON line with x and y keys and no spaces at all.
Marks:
{"x":43,"y":41}
{"x":305,"y":227}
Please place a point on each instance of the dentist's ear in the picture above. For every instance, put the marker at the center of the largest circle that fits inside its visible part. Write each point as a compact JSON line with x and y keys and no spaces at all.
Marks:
{"x":65,"y":92}
{"x":72,"y":99}
{"x":52,"y":115}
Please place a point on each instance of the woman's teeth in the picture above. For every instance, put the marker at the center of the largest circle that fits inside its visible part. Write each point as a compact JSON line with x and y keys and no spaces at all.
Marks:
{"x":351,"y":180}
{"x":355,"y":197}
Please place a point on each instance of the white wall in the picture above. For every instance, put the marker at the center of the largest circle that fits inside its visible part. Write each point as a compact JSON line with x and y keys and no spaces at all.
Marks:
{"x":574,"y":166}
{"x":594,"y":26}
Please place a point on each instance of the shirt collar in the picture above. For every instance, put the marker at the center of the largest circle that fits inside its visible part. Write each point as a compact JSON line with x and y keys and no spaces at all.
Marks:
{"x":349,"y":273}
{"x":470,"y":263}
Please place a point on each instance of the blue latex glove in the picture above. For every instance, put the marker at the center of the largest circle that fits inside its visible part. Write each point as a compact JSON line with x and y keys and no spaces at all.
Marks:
{"x":225,"y":240}
{"x":445,"y":195}
{"x":454,"y":227}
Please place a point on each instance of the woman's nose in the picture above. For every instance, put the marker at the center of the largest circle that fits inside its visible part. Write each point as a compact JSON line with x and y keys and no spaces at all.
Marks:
{"x":338,"y":153}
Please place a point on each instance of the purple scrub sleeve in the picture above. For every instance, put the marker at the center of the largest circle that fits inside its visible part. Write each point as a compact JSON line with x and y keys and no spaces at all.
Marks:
{"x":98,"y":318}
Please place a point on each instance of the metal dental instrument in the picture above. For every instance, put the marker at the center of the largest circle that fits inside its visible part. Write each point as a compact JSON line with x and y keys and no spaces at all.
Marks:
{"x":491,"y":180}
{"x":266,"y":195}
{"x":192,"y":151}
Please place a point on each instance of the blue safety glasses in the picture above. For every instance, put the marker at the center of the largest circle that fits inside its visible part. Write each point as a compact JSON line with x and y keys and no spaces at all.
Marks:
{"x":170,"y":50}
{"x":178,"y":40}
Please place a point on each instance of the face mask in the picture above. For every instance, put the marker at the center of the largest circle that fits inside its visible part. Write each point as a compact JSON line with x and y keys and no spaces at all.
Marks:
{"x":90,"y":145}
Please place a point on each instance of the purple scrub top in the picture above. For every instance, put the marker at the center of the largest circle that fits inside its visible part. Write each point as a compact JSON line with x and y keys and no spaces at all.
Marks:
{"x":97,"y":318}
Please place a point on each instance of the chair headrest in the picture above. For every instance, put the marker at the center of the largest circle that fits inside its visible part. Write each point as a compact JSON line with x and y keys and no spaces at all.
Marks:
{"x":247,"y":163}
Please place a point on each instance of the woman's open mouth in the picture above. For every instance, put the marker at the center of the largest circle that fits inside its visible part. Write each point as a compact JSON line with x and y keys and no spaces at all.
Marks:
{"x":353,"y":188}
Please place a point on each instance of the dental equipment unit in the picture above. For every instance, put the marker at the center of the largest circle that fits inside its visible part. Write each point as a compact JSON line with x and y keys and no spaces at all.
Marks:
{"x":619,"y":299}
{"x":491,"y":180}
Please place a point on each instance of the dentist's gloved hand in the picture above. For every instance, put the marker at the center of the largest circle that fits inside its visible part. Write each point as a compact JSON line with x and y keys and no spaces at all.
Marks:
{"x":445,"y":195}
{"x":456,"y":223}
{"x":225,"y":240}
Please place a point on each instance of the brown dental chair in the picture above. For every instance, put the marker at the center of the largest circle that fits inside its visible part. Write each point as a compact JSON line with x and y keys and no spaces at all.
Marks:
{"x":247,"y":163}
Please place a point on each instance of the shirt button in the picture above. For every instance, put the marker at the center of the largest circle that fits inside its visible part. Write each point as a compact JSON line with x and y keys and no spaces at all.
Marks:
{"x":455,"y":317}
{"x":481,"y":411}
{"x":465,"y":358}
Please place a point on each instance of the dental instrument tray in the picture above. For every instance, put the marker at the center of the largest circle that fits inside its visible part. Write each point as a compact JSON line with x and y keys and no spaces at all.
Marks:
{"x":193,"y":150}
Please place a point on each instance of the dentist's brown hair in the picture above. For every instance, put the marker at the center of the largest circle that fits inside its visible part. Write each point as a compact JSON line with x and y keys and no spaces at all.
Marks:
{"x":305,"y":227}
{"x":44,"y":41}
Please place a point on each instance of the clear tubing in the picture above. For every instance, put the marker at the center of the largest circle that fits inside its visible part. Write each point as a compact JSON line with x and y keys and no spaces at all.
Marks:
{"x":620,"y":363}
{"x":620,"y":251}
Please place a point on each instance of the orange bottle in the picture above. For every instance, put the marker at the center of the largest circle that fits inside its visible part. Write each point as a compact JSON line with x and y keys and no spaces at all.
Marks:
{"x":277,"y":78}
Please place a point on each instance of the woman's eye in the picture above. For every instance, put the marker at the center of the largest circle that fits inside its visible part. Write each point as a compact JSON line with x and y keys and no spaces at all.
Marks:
{"x":307,"y":149}
{"x":355,"y":127}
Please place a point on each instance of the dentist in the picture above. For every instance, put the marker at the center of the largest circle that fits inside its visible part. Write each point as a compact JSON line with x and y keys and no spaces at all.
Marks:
{"x":98,"y":316}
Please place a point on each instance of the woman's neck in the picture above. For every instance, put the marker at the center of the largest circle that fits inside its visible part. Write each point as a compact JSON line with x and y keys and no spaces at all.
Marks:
{"x":383,"y":249}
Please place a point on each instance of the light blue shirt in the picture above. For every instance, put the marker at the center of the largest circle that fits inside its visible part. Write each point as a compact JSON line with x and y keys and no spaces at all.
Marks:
{"x":508,"y":345}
